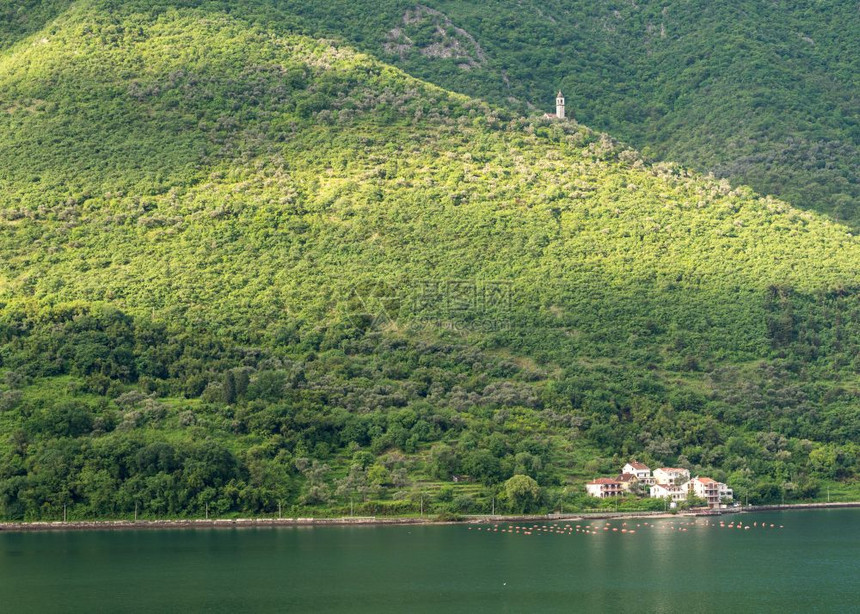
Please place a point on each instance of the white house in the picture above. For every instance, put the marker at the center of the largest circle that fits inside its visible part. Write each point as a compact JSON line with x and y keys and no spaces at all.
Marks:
{"x":627,"y":481}
{"x":640,"y":470}
{"x":671,"y":475}
{"x":671,"y":483}
{"x":604,"y":487}
{"x":710,"y":490}
{"x":672,"y":492}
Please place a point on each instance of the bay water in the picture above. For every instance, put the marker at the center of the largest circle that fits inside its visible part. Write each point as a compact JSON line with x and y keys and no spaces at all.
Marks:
{"x":810,"y":564}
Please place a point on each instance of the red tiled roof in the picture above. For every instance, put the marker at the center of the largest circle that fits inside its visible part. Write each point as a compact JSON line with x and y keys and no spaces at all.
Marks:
{"x":636,"y":465}
{"x":672,"y":469}
{"x":706,"y":480}
{"x":626,"y":477}
{"x":605,"y":481}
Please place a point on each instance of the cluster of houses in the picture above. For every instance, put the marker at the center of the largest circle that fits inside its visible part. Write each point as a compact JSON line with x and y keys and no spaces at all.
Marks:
{"x":670,"y":483}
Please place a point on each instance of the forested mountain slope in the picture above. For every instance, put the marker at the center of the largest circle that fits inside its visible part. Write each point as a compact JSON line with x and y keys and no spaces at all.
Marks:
{"x":763,"y":93}
{"x":243,"y":267}
{"x":19,"y":18}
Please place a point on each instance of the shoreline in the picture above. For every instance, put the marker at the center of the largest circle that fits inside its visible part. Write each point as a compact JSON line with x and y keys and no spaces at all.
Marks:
{"x":125,"y":525}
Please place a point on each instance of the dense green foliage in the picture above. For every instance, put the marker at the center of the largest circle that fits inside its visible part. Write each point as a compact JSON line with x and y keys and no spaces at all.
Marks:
{"x":764,"y":94}
{"x":19,"y":18}
{"x":244,"y":268}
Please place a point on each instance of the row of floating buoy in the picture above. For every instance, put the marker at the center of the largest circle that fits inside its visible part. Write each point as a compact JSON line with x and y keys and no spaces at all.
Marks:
{"x":567,"y":529}
{"x":596,"y":528}
{"x":746,"y":527}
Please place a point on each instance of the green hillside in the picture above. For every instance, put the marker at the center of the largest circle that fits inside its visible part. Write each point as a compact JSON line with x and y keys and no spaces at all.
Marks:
{"x":244,"y":268}
{"x":763,"y":94}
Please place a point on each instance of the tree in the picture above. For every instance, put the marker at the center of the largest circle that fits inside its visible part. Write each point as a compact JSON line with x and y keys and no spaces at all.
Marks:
{"x":229,"y":388}
{"x":522,"y":493}
{"x":443,"y":461}
{"x":824,"y":460}
{"x":693,"y":500}
{"x":484,"y":466}
{"x":528,"y":464}
{"x":378,"y":475}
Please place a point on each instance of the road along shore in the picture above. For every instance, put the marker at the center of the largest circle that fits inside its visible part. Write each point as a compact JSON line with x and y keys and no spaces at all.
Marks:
{"x":118,"y":525}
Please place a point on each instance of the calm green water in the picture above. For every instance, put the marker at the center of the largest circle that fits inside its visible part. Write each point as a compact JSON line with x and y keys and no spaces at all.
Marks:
{"x":813,"y":564}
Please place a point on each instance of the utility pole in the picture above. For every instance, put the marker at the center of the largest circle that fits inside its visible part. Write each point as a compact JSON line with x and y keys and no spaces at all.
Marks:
{"x":207,"y":511}
{"x":279,"y":510}
{"x":422,"y":505}
{"x":828,"y":494}
{"x":494,"y":505}
{"x":64,"y":512}
{"x":351,"y":506}
{"x":135,"y":511}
